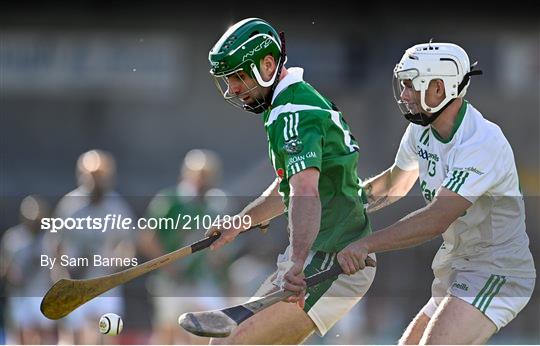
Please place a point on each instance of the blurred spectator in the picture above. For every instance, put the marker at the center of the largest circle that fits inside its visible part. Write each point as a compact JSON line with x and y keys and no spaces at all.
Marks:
{"x":26,"y":281}
{"x":94,"y":198}
{"x":197,"y":281}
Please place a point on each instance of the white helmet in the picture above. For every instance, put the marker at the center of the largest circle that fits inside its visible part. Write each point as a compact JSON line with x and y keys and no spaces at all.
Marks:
{"x":428,"y":61}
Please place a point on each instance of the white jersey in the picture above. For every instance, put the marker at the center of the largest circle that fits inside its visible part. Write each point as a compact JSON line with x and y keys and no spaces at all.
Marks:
{"x":477,"y":163}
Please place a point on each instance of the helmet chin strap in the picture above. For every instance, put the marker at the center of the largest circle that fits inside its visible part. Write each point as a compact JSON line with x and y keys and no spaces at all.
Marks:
{"x":423,"y":119}
{"x":262,"y":106}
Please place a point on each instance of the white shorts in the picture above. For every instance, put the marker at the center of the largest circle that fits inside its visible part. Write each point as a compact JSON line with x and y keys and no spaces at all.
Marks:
{"x":498,"y":297}
{"x":327,"y":302}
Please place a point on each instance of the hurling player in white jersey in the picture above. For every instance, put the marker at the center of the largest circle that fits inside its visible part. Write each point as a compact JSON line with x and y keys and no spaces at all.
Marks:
{"x":484,"y":271}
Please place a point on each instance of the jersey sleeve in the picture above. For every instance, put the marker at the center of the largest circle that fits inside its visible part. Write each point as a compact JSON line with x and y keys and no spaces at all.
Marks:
{"x":406,"y":157}
{"x":474,"y":171}
{"x":302,"y":140}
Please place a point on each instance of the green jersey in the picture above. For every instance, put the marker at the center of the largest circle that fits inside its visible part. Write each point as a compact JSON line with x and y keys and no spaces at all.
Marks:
{"x":305,"y":130}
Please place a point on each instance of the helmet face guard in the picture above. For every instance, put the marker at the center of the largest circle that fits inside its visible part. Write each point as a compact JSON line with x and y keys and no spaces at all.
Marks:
{"x":237,"y":100}
{"x":426,"y":62}
{"x":398,"y":86}
{"x":242,"y":48}
{"x":411,"y":111}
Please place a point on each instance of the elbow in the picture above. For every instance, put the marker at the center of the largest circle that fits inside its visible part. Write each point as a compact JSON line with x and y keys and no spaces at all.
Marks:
{"x":305,"y":190}
{"x":305,"y":183}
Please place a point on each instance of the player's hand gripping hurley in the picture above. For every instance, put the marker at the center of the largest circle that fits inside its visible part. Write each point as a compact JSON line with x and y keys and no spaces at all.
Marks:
{"x":66,"y":294}
{"x":220,"y":323}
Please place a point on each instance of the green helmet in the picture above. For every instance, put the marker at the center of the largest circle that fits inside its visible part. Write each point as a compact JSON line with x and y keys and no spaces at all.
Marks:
{"x":242,"y":48}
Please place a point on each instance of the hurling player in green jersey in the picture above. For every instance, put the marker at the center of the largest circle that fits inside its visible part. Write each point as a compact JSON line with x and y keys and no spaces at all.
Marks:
{"x":314,"y":156}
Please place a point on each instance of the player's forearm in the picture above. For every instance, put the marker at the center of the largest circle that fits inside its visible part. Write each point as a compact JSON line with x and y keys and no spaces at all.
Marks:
{"x":378,"y":191}
{"x":266,"y":207}
{"x":388,"y":187}
{"x":304,"y":224}
{"x":414,"y":229}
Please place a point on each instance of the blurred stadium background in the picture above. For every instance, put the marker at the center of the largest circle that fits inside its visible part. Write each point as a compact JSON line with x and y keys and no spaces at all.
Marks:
{"x":133,"y":79}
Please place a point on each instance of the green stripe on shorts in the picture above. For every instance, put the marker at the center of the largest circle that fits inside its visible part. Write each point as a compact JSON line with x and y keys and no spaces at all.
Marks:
{"x":489,"y":291}
{"x":501,"y":282}
{"x":483,"y":289}
{"x":320,"y":262}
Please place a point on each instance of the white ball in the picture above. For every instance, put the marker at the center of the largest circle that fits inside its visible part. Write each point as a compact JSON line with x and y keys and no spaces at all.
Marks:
{"x":110,"y":324}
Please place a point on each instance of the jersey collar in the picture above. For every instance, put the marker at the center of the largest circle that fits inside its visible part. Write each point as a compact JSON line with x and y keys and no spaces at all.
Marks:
{"x":294,"y":75}
{"x":457,"y":122}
